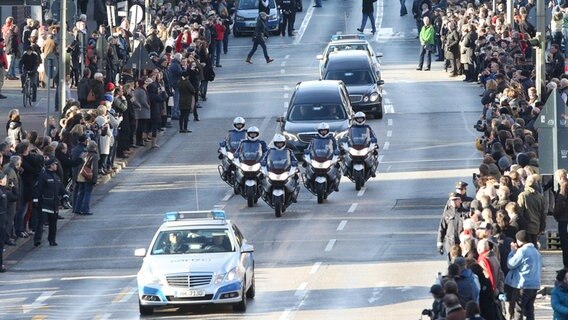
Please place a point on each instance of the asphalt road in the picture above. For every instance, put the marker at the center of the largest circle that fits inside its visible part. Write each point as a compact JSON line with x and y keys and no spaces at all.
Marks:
{"x":360,"y":255}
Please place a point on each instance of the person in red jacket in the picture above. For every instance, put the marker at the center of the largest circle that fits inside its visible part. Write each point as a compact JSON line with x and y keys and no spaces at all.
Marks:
{"x":3,"y":66}
{"x":220,"y":30}
{"x":183,"y":40}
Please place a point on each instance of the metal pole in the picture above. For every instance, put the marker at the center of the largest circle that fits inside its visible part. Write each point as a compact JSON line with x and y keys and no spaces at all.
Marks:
{"x":494,"y":6}
{"x":510,"y":13}
{"x":48,"y":73}
{"x":147,"y":15}
{"x":540,"y":33}
{"x":62,"y":55}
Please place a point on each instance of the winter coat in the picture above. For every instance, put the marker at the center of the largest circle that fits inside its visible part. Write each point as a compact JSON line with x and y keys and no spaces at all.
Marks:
{"x":367,"y":6}
{"x":175,"y":71}
{"x":141,"y":103}
{"x":467,"y":48}
{"x":48,"y":191}
{"x":91,"y":159}
{"x":157,"y":99}
{"x":76,"y":154}
{"x":455,"y":313}
{"x":451,"y":225}
{"x":559,"y":301}
{"x":32,"y":165}
{"x":187,"y":94}
{"x":14,"y":177}
{"x":525,"y":266}
{"x":427,"y":34}
{"x":452,"y":45}
{"x":67,"y":165}
{"x":531,"y":211}
{"x":15,"y":132}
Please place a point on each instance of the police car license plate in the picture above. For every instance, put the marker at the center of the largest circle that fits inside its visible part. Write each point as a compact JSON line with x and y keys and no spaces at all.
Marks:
{"x":189,"y":293}
{"x":250,"y":24}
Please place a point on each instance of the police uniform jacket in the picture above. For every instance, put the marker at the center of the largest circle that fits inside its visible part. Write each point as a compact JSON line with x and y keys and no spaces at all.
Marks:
{"x":451,"y":225}
{"x":48,"y":192}
{"x":6,"y":195}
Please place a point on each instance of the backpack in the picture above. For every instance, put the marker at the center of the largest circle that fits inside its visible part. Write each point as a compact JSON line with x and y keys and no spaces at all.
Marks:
{"x":91,"y":96}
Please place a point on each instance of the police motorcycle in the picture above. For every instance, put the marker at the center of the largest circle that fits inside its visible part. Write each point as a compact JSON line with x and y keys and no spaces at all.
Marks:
{"x":322,"y":163}
{"x":360,"y":156}
{"x":248,"y":176}
{"x":227,"y":149}
{"x":280,"y":185}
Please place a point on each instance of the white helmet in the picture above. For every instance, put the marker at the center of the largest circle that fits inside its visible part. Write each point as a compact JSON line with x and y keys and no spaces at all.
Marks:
{"x":279,"y":141}
{"x":323,"y":130}
{"x":239,"y":123}
{"x":253,"y":133}
{"x":360,"y":118}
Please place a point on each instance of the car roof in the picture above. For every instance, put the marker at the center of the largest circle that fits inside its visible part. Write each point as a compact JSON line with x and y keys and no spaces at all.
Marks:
{"x":325,"y":91}
{"x":201,"y":223}
{"x":349,"y":41}
{"x":348,"y":59}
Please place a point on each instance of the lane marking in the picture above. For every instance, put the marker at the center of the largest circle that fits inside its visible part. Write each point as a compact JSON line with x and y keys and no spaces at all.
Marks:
{"x":196,"y":191}
{"x":388,"y":101}
{"x":286,"y":88}
{"x":381,"y":156}
{"x":124,"y":295}
{"x":341,"y":225}
{"x":386,"y":145}
{"x":389,"y":133}
{"x":330,"y":244}
{"x":219,"y":206}
{"x":286,"y":95}
{"x":287,"y":56}
{"x":38,"y":303}
{"x":379,"y":18}
{"x":283,"y":63}
{"x":39,"y":317}
{"x":285,"y":314}
{"x":315,"y":268}
{"x":300,"y":291}
{"x":228,"y":195}
{"x":264,"y":123}
{"x":389,"y":122}
{"x":304,"y":25}
{"x":389,"y":108}
{"x":97,"y":277}
{"x":286,"y":104}
{"x":104,"y":316}
{"x":353,"y":207}
{"x":282,"y":71}
{"x":361,"y":192}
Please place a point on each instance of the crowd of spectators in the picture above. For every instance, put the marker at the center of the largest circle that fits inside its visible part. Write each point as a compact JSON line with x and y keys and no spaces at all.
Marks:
{"x":492,"y":238}
{"x":112,"y":107}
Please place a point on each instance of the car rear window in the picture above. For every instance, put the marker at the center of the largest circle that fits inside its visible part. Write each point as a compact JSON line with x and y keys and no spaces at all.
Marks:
{"x":350,"y":77}
{"x":316,"y":112}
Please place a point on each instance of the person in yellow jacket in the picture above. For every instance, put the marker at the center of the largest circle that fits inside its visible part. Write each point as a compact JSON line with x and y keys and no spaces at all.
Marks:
{"x":426,"y":44}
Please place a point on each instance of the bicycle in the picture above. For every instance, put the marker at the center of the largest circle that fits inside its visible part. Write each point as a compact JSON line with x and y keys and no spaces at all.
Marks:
{"x":28,"y":90}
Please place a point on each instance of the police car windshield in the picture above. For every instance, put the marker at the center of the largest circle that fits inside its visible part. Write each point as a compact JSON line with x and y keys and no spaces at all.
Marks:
{"x":192,"y":241}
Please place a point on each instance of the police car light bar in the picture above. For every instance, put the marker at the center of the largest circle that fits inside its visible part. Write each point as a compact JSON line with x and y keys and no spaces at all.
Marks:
{"x":358,"y":36}
{"x":215,"y":214}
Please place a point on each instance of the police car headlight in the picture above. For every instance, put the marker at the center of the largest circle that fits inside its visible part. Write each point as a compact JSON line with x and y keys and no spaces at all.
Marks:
{"x":272,"y":17}
{"x":290,"y":136}
{"x":374,"y":97}
{"x":226,"y":277}
{"x":239,"y":18}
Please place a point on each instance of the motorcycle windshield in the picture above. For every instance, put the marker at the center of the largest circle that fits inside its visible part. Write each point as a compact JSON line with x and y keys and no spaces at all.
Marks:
{"x":322,"y":149}
{"x":359,"y":137}
{"x":278,"y":160}
{"x":234,"y":139}
{"x":251,"y":152}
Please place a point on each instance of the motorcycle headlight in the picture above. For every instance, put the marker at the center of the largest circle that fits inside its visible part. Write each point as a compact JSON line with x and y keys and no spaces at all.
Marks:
{"x":341,"y":135}
{"x":277,"y":177}
{"x":230,"y":155}
{"x":239,"y":18}
{"x":358,"y":153}
{"x":254,"y":167}
{"x":321,"y":165}
{"x":374,"y":97}
{"x":289,"y":136}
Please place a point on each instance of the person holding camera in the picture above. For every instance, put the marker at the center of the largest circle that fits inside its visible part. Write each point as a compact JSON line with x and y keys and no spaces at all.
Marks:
{"x":48,"y":193}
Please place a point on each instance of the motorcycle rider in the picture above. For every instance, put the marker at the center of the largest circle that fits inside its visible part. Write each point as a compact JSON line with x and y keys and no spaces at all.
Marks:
{"x":239,"y":126}
{"x":279,"y":143}
{"x":325,"y":134}
{"x":359,"y":121}
{"x":252,"y":137}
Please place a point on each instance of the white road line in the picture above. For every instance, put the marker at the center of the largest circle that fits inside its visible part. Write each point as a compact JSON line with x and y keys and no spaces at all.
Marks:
{"x":286,"y":88}
{"x":282,"y":71}
{"x":353,"y":207}
{"x":315,"y":268}
{"x":287,"y":56}
{"x":361,"y":192}
{"x":286,"y":104}
{"x":389,"y":108}
{"x":387,"y":101}
{"x":330,"y":245}
{"x":105,"y":316}
{"x":341,"y":225}
{"x":228,"y":195}
{"x":389,"y":133}
{"x":38,"y":303}
{"x":196,"y":191}
{"x":219,"y":206}
{"x":386,"y":145}
{"x":283,"y":64}
{"x":264,"y":124}
{"x":304,"y":25}
{"x":127,"y":295}
{"x":379,"y":18}
{"x":286,"y":95}
{"x":381,"y":157}
{"x":389,"y":122}
{"x":285,"y":314}
{"x":300,"y":291}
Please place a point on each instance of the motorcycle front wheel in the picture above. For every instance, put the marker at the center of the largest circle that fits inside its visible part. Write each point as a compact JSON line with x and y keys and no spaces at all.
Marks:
{"x":320,"y":192}
{"x":250,"y":196}
{"x":278,"y":206}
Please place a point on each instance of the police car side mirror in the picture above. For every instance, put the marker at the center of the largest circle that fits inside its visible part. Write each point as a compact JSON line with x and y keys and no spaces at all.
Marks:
{"x":319,"y":57}
{"x":280,"y":120}
{"x":141,"y":252}
{"x":379,"y":54}
{"x":381,"y":82}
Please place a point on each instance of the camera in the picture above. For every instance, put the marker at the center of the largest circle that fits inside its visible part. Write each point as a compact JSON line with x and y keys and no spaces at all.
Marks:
{"x":426,"y":312}
{"x":480,"y":125}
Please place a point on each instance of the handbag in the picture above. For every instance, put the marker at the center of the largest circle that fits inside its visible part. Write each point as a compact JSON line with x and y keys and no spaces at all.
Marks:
{"x":86,"y":171}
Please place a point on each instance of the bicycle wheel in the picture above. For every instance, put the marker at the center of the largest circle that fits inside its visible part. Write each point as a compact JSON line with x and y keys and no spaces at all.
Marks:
{"x":27,"y":95}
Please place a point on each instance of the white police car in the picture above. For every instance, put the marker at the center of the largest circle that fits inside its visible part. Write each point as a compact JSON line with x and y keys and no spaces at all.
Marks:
{"x":194,"y":259}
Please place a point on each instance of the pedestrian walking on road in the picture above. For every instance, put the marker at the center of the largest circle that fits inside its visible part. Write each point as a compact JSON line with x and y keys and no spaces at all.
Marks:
{"x":368,"y":12}
{"x":187,"y":103}
{"x":48,"y":193}
{"x":260,"y":33}
{"x":451,"y":224}
{"x":427,"y":46}
{"x":403,"y":10}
